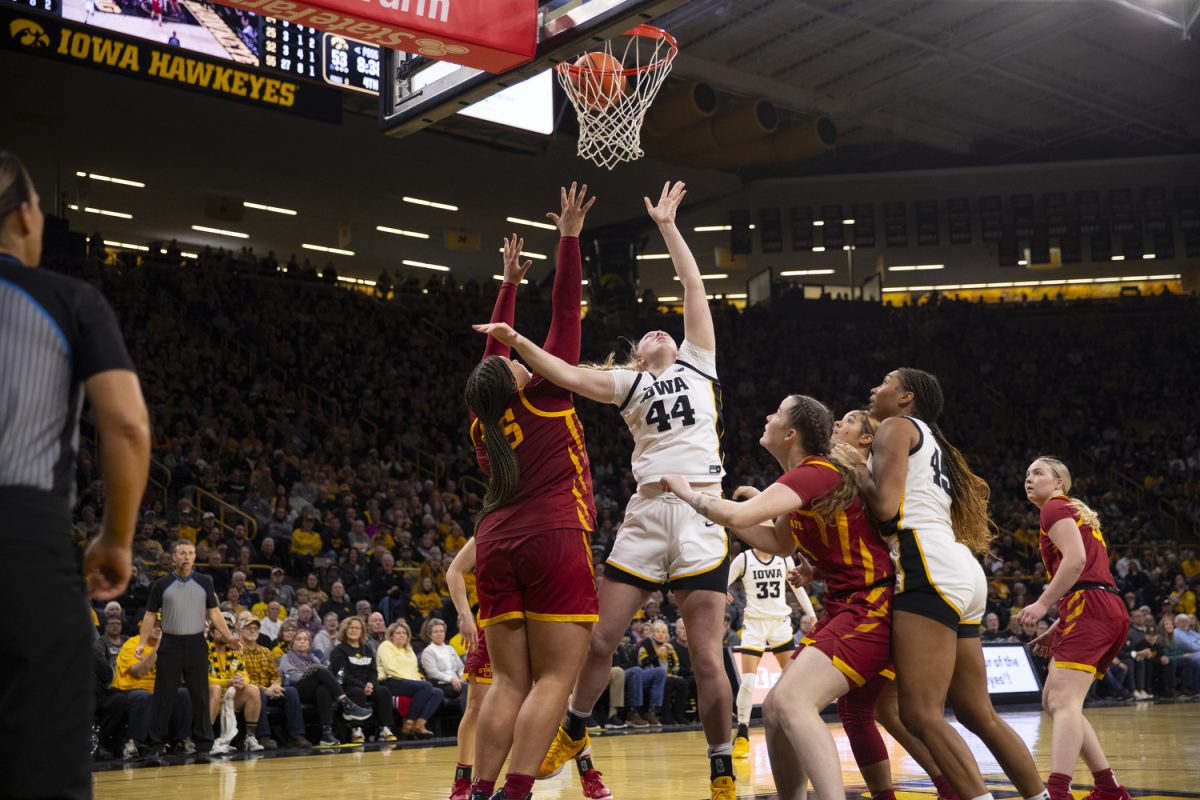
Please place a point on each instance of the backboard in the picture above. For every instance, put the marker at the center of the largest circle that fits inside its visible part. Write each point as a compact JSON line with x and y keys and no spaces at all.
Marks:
{"x":418,"y":91}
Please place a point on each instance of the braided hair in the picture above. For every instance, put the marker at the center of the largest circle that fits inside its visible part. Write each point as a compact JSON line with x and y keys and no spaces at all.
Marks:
{"x":490,"y":387}
{"x":814,"y":424}
{"x":969,"y":493}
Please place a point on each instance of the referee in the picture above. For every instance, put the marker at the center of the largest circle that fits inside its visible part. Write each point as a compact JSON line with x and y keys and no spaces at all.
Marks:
{"x":185,"y":598}
{"x":58,"y":339}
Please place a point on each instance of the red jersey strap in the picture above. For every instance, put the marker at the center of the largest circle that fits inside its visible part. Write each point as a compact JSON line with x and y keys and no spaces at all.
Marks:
{"x":819,"y":462}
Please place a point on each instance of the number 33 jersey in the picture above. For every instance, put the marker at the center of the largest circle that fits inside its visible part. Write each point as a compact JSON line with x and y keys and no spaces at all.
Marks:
{"x":765,"y":584}
{"x":675,"y":418}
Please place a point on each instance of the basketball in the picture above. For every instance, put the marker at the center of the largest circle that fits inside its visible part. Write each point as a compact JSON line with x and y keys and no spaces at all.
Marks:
{"x":599,"y":80}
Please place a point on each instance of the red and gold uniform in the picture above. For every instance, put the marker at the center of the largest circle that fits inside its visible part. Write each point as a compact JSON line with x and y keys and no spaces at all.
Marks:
{"x":534,"y":555}
{"x":855,"y":628}
{"x":1094,"y":621}
{"x":479,"y":663}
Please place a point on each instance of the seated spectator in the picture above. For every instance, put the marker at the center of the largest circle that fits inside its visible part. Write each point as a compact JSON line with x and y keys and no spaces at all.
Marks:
{"x":657,"y":652}
{"x":1187,"y":668}
{"x":302,"y":668}
{"x":307,"y":619}
{"x":399,"y":673}
{"x":133,"y":682}
{"x":389,"y":591}
{"x":284,"y":593}
{"x":273,"y":619}
{"x":991,"y":629}
{"x":287,"y":635}
{"x":113,"y":639}
{"x":427,"y":599}
{"x":683,"y":653}
{"x":441,"y":664}
{"x":263,"y":672}
{"x":376,"y":631}
{"x":1182,"y":598}
{"x":226,"y":671}
{"x":327,"y":638}
{"x":1160,"y":669}
{"x":338,"y":602}
{"x":354,"y":666}
{"x":306,"y":544}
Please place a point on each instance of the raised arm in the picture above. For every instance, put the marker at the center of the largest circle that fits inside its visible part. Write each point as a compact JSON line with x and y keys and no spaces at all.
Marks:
{"x":747,"y":517}
{"x":697,"y":318}
{"x":506,"y":299}
{"x":563,"y":337}
{"x":455,"y":579}
{"x":593,"y":384}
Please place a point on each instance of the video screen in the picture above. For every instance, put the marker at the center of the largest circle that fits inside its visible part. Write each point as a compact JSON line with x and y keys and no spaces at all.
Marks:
{"x":195,"y":25}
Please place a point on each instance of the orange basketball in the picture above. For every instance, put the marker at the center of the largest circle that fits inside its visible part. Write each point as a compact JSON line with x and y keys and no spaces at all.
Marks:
{"x":599,"y":80}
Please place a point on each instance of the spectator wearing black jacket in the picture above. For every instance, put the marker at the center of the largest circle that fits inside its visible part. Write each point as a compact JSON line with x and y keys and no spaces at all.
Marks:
{"x":389,"y":591}
{"x":353,"y":663}
{"x":339,"y":602}
{"x":657,"y":651}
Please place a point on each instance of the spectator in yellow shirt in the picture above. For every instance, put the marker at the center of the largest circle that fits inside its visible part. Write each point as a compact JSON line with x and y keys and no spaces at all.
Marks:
{"x":455,"y":539}
{"x":1183,"y":599}
{"x":225,"y":671}
{"x":133,"y":678}
{"x":397,"y":664}
{"x":427,"y":600}
{"x":1190,"y":564}
{"x":306,"y":544}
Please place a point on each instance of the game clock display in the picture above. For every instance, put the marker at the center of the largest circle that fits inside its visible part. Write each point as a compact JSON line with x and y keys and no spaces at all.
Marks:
{"x":349,"y":64}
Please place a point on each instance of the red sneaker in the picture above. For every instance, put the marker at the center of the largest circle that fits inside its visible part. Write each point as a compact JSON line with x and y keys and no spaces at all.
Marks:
{"x":461,"y":789}
{"x":593,"y":786}
{"x":1099,"y":794}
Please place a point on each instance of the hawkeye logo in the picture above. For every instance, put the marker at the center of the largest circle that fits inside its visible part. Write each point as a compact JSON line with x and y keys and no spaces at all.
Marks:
{"x":28,"y":33}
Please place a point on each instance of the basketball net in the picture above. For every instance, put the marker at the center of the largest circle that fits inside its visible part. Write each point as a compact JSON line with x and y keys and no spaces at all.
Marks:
{"x":610,"y":121}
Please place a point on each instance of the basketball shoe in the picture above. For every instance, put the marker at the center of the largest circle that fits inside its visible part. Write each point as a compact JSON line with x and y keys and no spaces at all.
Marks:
{"x":562,"y":750}
{"x":589,"y":779}
{"x":741,"y":742}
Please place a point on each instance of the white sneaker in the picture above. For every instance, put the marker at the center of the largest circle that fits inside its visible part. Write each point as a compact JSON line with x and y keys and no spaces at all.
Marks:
{"x":220,"y":748}
{"x":130,"y":750}
{"x":251,"y":744}
{"x":386,"y":735}
{"x":356,"y":735}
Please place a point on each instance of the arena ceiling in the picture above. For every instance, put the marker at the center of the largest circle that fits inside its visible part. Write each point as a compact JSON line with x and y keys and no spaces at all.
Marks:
{"x":910,"y":84}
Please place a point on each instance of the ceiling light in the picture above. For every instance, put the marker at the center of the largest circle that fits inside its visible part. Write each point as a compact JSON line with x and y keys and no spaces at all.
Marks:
{"x":653,"y":256}
{"x":916,"y":267}
{"x":792,"y":272}
{"x":126,"y":245}
{"x":183,"y":253}
{"x":219,"y":232}
{"x":819,"y":249}
{"x":501,"y":277}
{"x":1022,"y":263}
{"x":402,"y":232}
{"x":1055,"y":282}
{"x":584,"y":281}
{"x":818,"y":222}
{"x":423,"y":265}
{"x":531,"y":223}
{"x":737,"y":296}
{"x":712,"y":276}
{"x":356,"y":281}
{"x":847,"y":222}
{"x":715,"y":228}
{"x":107,"y":179}
{"x":527,"y":254}
{"x":1149,"y":256}
{"x":335,"y":250}
{"x":1118,"y":258}
{"x":670,"y":299}
{"x":418,"y":201}
{"x":106,"y":213}
{"x":272,"y":209}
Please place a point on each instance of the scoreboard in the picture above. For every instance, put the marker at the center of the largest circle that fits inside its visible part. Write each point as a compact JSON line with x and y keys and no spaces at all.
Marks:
{"x":350,"y":64}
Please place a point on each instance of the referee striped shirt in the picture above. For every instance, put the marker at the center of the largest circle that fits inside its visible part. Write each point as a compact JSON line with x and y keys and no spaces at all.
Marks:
{"x":55,"y":333}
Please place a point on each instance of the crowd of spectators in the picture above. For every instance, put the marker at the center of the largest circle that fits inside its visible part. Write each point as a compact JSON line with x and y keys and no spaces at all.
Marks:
{"x":333,"y":420}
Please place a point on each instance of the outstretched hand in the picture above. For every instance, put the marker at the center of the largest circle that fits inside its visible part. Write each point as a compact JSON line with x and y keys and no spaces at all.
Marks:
{"x":500,"y":331}
{"x":668,"y":202}
{"x":514,"y":270}
{"x":574,"y":210}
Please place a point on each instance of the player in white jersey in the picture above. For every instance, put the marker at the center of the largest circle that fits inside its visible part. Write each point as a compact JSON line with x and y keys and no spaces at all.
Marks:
{"x":670,"y":399}
{"x":766,"y":625}
{"x":935,"y":518}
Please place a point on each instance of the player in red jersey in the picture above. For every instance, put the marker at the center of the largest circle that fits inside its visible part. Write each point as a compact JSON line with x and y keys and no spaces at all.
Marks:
{"x":814,"y":506}
{"x":537,"y":592}
{"x":1089,"y":632}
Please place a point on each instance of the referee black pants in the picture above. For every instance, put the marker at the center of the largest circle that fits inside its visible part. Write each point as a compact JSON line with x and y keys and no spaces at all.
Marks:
{"x":186,"y":658}
{"x":46,"y":682}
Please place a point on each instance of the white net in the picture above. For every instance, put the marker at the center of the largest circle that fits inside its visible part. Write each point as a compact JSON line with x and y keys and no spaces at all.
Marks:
{"x":611,"y":92}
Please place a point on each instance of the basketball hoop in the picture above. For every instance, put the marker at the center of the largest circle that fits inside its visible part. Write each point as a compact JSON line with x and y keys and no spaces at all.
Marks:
{"x":611,"y":93}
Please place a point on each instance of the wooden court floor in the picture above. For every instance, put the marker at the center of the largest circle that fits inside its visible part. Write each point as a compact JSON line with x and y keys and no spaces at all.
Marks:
{"x":1155,"y":751}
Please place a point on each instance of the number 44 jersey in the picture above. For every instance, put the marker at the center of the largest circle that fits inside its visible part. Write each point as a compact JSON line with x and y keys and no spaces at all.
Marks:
{"x":675,"y":418}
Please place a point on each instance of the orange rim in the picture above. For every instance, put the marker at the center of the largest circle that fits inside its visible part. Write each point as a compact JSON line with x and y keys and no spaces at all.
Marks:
{"x":645,"y":31}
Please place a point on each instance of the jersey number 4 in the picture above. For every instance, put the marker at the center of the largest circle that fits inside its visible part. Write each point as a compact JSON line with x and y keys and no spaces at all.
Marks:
{"x":939,"y":477}
{"x":657,"y":415}
{"x":767,"y":590}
